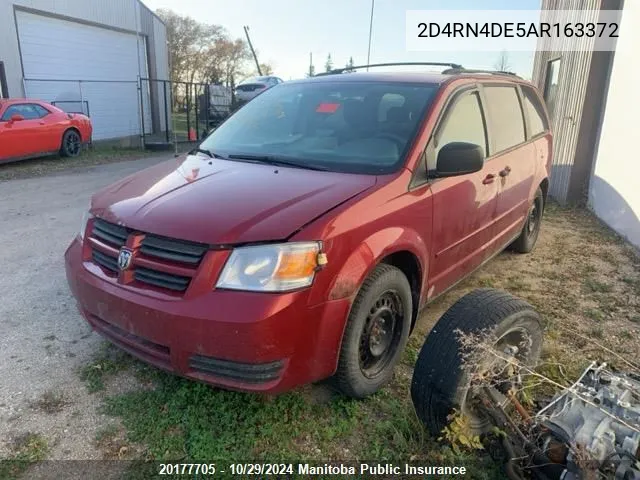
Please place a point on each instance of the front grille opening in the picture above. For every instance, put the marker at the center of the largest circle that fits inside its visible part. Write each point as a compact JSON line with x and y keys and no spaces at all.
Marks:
{"x":174,"y":250}
{"x":161,"y":279}
{"x":110,"y":233}
{"x":152,"y":247}
{"x":105,"y":261}
{"x":244,"y":372}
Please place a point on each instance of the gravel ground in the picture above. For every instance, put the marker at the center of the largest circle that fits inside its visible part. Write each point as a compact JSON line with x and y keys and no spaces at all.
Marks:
{"x":43,"y":339}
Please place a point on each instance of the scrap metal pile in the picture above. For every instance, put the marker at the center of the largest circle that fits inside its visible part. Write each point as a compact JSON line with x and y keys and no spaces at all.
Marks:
{"x":477,"y":362}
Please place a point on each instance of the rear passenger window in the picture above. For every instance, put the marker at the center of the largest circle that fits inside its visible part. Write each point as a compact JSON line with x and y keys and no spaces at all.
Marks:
{"x":535,"y":112}
{"x":41,"y":111}
{"x":507,"y":122}
{"x":464,"y":123}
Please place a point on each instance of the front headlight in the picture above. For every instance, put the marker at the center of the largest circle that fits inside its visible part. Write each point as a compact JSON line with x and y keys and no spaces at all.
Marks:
{"x":83,"y":226}
{"x":271,"y":268}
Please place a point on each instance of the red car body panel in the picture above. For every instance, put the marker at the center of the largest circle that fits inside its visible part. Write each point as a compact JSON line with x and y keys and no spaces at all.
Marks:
{"x":449,"y":227}
{"x":41,"y":136}
{"x":240,"y":204}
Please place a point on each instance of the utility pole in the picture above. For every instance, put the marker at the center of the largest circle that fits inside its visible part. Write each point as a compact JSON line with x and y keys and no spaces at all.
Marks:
{"x":370,"y":31}
{"x":255,"y":57}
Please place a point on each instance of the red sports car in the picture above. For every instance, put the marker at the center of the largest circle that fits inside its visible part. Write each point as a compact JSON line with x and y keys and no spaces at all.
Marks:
{"x":31,"y":128}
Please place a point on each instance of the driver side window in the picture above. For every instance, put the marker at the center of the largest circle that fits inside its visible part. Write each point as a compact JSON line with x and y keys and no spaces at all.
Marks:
{"x":24,"y":109}
{"x":464,"y":123}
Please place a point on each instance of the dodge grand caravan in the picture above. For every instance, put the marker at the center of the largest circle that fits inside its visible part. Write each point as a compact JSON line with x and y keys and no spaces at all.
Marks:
{"x":300,"y":240}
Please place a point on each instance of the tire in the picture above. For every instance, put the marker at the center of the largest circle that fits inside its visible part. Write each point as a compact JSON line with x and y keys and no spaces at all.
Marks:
{"x":440,"y":382}
{"x":531,"y":229}
{"x":71,"y":144}
{"x":368,"y":355}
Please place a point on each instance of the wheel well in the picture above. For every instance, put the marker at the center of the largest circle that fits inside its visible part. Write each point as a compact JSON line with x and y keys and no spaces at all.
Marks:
{"x":409,"y":264}
{"x":75,"y":130}
{"x":544,"y":186}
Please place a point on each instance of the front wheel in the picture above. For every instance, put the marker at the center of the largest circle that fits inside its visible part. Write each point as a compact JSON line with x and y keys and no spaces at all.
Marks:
{"x":71,"y":144}
{"x":376,"y":333}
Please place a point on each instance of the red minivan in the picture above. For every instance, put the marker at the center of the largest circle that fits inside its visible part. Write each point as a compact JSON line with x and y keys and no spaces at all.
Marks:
{"x":300,"y":240}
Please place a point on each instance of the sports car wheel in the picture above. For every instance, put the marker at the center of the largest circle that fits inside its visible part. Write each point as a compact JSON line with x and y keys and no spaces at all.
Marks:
{"x":71,"y":144}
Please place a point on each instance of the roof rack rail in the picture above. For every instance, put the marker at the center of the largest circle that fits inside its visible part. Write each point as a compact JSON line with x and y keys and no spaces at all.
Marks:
{"x":452,"y":66}
{"x":454,"y":70}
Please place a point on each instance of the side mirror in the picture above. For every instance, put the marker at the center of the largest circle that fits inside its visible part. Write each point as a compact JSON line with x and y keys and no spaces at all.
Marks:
{"x":459,"y":158}
{"x":16,"y":117}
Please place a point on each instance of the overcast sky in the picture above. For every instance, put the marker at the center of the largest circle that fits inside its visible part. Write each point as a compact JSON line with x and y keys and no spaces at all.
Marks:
{"x":285,"y":31}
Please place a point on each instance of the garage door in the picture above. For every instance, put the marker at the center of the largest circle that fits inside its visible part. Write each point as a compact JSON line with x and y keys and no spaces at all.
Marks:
{"x":85,"y":67}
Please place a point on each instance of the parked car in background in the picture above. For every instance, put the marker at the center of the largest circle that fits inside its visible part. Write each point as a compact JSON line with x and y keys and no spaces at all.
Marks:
{"x":303,"y":236}
{"x":249,"y":88}
{"x":32,"y":128}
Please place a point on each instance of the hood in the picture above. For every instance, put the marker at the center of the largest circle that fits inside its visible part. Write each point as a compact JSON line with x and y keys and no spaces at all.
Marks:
{"x":217,"y":201}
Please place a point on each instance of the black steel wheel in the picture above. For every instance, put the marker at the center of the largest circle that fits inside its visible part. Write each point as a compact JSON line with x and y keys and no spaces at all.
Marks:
{"x":381,"y":334}
{"x":376,"y":332}
{"x":531,"y":229}
{"x":71,"y":144}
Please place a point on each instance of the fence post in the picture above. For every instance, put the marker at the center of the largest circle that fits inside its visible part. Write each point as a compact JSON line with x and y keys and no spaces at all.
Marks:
{"x":188,"y":92}
{"x":166,"y":112}
{"x":207,"y":103}
{"x":195,"y":98}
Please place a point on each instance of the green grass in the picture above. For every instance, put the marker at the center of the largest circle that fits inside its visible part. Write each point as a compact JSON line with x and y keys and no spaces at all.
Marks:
{"x":107,"y":362}
{"x":186,"y":421}
{"x":27,"y":449}
{"x":98,"y":155}
{"x":180,"y":127}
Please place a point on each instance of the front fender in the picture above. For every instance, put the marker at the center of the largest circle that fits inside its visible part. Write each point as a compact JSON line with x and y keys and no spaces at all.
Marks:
{"x":370,"y":252}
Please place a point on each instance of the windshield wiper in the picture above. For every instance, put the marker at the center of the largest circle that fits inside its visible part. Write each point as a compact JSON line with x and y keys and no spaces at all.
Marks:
{"x":276,"y":160}
{"x":206,"y":152}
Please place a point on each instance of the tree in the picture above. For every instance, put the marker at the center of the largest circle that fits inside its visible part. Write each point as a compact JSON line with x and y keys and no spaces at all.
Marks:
{"x":267,"y":68}
{"x":502,"y":64}
{"x":349,"y":66}
{"x":227,"y":61}
{"x":312,"y":70}
{"x":328,"y":65}
{"x":204,"y":53}
{"x":189,"y":41}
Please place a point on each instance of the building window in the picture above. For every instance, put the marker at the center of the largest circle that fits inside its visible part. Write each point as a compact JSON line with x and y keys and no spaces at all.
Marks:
{"x":4,"y":91}
{"x":551,"y":84}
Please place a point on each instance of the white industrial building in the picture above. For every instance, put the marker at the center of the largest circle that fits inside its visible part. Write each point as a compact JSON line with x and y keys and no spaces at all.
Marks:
{"x":594,"y":102}
{"x":87,"y":55}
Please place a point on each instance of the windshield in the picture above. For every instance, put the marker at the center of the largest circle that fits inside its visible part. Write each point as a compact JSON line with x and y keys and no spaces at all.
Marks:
{"x":357,"y":127}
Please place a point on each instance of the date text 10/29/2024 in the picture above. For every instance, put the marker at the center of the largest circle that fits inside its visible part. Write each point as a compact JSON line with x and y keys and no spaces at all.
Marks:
{"x":211,"y":470}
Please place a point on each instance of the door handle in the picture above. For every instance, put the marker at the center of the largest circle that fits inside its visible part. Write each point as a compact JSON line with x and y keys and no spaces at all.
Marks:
{"x":505,"y":172}
{"x":41,"y":123}
{"x":488,"y":179}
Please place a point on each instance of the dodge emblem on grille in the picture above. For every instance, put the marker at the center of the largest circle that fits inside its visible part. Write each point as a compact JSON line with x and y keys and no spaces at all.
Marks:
{"x":124,"y":258}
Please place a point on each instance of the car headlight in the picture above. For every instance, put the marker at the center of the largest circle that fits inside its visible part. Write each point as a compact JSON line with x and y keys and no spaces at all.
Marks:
{"x":83,"y":226}
{"x":271,"y":268}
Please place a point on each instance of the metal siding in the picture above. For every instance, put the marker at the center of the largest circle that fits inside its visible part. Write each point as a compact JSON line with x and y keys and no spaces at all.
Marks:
{"x":161,"y":56}
{"x":113,"y":13}
{"x":572,"y":89}
{"x":109,"y":70}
